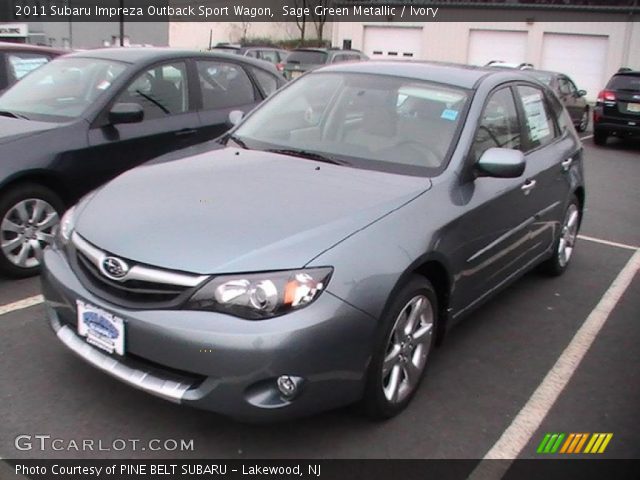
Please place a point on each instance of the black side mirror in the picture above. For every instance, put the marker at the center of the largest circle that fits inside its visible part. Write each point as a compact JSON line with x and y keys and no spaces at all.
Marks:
{"x":501,"y":163}
{"x":126,"y":113}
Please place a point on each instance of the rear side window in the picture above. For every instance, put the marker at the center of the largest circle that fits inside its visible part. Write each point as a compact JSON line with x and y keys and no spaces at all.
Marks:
{"x":539,"y":126}
{"x":269,"y":56}
{"x":499,"y":126}
{"x":224,"y":85}
{"x":21,"y":64}
{"x":267,"y":82}
{"x":625,"y":82}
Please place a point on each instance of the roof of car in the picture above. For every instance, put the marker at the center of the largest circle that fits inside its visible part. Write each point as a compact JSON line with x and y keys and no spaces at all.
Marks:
{"x":465,"y":76}
{"x":31,"y":48}
{"x":324,"y":50}
{"x":155,"y":54}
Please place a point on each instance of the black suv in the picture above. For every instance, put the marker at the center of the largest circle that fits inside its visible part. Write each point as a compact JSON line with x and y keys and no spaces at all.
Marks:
{"x":617,"y":110}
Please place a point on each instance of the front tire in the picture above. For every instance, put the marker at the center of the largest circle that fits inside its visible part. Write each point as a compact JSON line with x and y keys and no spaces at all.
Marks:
{"x":403,"y":350}
{"x":29,"y":218}
{"x":565,"y":243}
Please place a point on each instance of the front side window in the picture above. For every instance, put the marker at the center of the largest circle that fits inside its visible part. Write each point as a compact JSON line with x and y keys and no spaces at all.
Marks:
{"x":566,"y":86}
{"x":62,"y":89}
{"x":367,"y":121}
{"x":540,"y":129}
{"x":161,"y":91}
{"x":224,"y":85}
{"x":499,"y":126}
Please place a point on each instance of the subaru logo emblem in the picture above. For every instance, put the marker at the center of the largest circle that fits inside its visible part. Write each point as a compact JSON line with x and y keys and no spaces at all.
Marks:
{"x":114,"y":268}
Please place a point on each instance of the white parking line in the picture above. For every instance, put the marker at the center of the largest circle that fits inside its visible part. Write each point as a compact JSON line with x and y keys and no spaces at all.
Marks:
{"x":529,"y":419}
{"x":608,"y":242}
{"x":21,"y":304}
{"x":586,"y":137}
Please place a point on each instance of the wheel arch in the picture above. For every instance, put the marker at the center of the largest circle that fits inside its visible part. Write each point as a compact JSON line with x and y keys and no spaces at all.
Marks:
{"x":39,"y":177}
{"x":435,"y":268}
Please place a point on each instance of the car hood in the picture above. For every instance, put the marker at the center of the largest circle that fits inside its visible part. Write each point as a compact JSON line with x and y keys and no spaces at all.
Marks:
{"x":14,"y":128}
{"x":236,"y":210}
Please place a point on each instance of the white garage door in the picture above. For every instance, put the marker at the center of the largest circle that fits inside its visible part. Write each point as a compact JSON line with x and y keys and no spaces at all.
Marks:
{"x":393,"y":42}
{"x":487,"y":45}
{"x":582,"y":57}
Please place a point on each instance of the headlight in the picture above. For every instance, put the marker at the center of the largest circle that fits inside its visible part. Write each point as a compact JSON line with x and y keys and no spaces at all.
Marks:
{"x":67,"y":224}
{"x":261,"y":295}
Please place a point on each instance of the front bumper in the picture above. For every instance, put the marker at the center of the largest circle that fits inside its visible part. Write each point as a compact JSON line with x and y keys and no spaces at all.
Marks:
{"x":221,"y":363}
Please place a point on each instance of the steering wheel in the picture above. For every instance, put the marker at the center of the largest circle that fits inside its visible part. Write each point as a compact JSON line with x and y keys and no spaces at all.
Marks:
{"x":412,"y":149}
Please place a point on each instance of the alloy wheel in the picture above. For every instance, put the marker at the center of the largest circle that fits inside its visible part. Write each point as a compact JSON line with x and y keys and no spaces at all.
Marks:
{"x":407,"y":349}
{"x":26,"y":229}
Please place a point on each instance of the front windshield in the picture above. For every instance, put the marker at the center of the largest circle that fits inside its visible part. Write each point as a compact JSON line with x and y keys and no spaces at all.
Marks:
{"x":367,"y":121}
{"x":61,"y":90}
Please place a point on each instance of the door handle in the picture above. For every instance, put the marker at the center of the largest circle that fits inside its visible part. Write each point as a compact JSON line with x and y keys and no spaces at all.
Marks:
{"x":567,"y":164}
{"x":528,"y":186}
{"x":186,"y":132}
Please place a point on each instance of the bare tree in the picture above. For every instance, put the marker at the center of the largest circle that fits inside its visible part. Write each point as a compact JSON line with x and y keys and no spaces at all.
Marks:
{"x":319,"y":19}
{"x":245,"y":29}
{"x":301,"y":21}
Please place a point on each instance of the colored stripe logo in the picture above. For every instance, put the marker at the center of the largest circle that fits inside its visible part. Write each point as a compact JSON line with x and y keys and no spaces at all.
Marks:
{"x":574,"y":443}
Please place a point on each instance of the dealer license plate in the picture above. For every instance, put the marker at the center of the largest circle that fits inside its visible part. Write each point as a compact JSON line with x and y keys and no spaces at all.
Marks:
{"x":101,"y":329}
{"x":633,"y":107}
{"x":296,"y":74}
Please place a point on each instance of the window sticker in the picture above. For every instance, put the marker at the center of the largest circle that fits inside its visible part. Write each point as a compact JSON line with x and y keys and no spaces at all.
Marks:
{"x":448,"y":114}
{"x":537,"y":120}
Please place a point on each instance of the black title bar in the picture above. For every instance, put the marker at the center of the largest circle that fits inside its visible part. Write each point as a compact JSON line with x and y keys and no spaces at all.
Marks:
{"x":22,"y":11}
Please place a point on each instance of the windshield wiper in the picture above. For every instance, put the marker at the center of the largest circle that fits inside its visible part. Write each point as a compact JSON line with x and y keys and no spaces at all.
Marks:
{"x":7,"y":113}
{"x":237,"y":141}
{"x":307,"y":154}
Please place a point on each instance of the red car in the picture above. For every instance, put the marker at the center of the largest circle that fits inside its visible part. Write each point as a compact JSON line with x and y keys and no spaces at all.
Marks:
{"x":16,"y":60}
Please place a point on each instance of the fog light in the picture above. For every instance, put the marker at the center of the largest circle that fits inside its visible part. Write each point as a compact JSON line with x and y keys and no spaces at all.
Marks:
{"x":288,"y":385}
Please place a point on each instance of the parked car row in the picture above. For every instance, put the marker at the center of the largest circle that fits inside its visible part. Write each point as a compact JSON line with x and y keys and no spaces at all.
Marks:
{"x":317,"y":248}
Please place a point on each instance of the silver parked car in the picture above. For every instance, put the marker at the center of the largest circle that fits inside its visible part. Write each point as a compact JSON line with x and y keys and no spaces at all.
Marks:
{"x":312,"y":257}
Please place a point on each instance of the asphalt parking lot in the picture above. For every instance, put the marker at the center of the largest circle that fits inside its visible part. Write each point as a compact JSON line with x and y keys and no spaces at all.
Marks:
{"x":480,"y":383}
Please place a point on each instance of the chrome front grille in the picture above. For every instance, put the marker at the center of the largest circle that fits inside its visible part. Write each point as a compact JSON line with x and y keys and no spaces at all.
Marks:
{"x":139,"y":286}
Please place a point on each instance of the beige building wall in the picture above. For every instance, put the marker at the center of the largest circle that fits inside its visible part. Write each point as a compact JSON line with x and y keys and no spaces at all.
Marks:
{"x":450,"y":41}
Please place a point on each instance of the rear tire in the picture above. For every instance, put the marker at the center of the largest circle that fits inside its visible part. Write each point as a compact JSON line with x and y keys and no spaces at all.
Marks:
{"x":565,"y":243}
{"x":29,"y":218}
{"x":403,"y":350}
{"x":600,"y":137}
